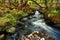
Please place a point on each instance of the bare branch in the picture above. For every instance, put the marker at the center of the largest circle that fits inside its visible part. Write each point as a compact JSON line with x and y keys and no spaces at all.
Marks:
{"x":37,"y":4}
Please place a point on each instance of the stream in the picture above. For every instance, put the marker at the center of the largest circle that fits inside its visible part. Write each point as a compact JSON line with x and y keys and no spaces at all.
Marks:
{"x":34,"y":23}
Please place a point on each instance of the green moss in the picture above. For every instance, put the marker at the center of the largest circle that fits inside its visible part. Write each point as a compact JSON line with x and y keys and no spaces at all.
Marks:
{"x":32,"y":4}
{"x":5,"y":28}
{"x":53,"y":13}
{"x":21,"y":14}
{"x":14,"y":23}
{"x":10,"y":16}
{"x":4,"y":20}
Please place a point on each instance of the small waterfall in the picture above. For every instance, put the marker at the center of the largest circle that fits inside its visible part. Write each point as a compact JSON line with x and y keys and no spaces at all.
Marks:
{"x":41,"y":23}
{"x":35,"y":23}
{"x":37,"y":14}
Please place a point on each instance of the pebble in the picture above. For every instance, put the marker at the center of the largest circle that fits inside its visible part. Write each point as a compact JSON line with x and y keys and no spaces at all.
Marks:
{"x":11,"y":30}
{"x":1,"y":36}
{"x":35,"y":36}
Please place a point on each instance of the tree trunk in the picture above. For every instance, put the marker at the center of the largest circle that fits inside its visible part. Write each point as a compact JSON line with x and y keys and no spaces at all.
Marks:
{"x":21,"y":1}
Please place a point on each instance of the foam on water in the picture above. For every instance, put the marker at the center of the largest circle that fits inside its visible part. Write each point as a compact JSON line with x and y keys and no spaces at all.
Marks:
{"x":44,"y":26}
{"x":35,"y":23}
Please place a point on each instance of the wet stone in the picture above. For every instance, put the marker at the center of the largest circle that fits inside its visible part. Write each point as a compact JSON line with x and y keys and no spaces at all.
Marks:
{"x":37,"y":36}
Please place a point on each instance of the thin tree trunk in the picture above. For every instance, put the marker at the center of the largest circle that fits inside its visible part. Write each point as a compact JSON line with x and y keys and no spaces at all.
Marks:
{"x":21,"y":1}
{"x":46,"y":4}
{"x":25,"y":3}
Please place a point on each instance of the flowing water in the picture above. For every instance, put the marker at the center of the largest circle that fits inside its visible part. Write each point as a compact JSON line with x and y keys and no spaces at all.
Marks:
{"x":34,"y":23}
